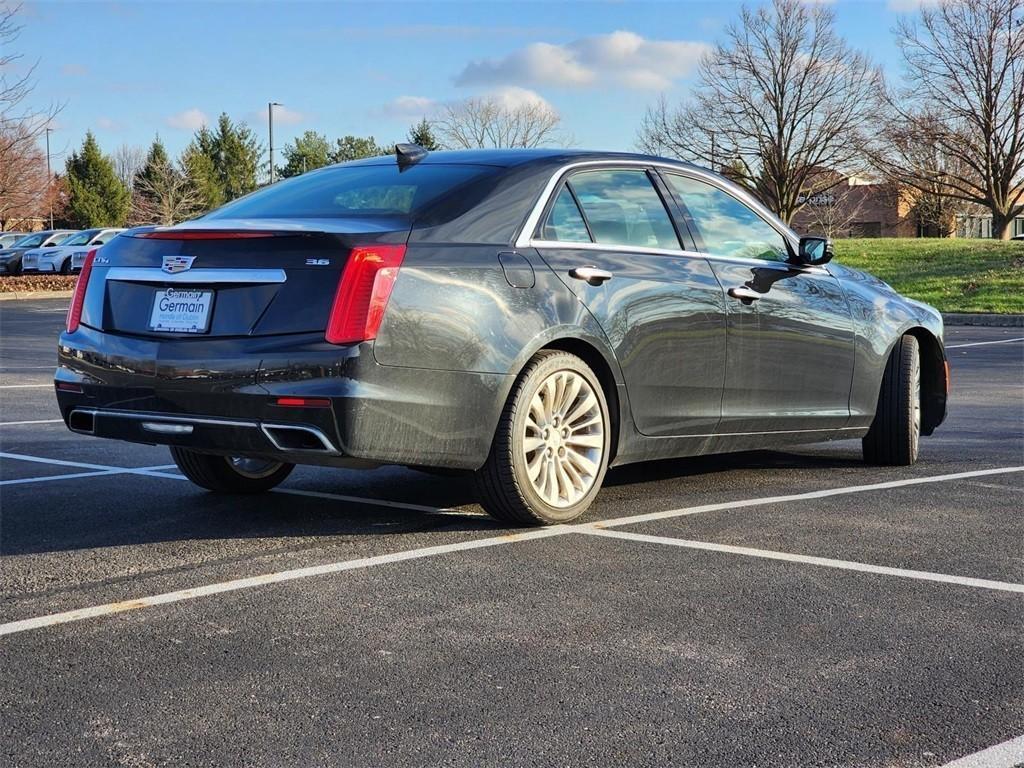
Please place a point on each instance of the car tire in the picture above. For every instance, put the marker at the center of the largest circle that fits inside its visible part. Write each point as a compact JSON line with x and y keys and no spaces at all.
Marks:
{"x":228,"y":474}
{"x":550,"y":451}
{"x":895,"y":433}
{"x":65,"y":267}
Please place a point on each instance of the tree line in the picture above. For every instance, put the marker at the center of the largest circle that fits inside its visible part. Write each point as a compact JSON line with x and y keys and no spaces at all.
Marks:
{"x":788,"y":109}
{"x":782,"y":105}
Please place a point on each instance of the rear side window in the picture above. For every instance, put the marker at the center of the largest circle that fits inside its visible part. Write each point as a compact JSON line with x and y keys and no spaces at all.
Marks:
{"x":727,"y":226}
{"x":361,"y":190}
{"x":565,"y":222}
{"x":623,"y":208}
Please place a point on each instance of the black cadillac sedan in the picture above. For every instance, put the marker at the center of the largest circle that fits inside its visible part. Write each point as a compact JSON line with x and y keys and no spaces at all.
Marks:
{"x":530,"y":316}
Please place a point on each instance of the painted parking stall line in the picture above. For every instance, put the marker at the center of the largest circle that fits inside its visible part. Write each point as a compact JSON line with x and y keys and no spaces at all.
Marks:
{"x":235,"y":585}
{"x":1009,"y":754}
{"x":984,"y":343}
{"x":34,"y":421}
{"x":347,"y":565}
{"x":827,"y":562}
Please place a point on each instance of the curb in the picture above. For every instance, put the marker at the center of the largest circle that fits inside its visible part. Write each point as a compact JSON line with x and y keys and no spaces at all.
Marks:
{"x":15,"y":295}
{"x":983,"y":319}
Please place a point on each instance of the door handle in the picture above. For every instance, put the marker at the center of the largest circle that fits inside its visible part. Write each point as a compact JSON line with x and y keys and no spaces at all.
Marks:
{"x":744,"y":294}
{"x":591,"y":274}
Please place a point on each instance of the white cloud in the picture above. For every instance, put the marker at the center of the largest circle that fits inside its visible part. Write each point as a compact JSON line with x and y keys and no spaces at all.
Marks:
{"x":409,"y":108}
{"x":284,"y":116}
{"x":74,"y":70}
{"x":189,"y":120}
{"x":513,"y":97}
{"x":622,"y":57}
{"x":107,"y":124}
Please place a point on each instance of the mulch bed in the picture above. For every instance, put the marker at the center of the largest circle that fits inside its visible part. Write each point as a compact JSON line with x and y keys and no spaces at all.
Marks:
{"x":15,"y":283}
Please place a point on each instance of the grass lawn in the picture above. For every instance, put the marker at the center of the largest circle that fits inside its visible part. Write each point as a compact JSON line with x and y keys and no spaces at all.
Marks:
{"x":953,"y":275}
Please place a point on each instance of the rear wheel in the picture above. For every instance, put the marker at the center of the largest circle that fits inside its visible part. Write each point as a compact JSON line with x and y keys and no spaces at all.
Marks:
{"x":550,"y":451}
{"x":895,"y":432}
{"x":230,"y":474}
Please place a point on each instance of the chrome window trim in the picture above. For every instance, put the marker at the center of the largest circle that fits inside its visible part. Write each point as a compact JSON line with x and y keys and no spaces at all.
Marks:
{"x":571,"y":246}
{"x":195,"y":276}
{"x":525,"y":236}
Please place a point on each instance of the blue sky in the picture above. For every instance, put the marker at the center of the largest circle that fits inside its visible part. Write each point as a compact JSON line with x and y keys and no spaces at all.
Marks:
{"x":131,"y":70}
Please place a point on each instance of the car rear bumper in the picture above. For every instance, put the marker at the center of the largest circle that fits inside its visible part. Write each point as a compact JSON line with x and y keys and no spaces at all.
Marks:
{"x":221,"y":396}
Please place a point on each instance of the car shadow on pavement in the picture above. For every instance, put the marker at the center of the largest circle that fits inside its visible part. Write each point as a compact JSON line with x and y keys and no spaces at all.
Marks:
{"x":669,"y":469}
{"x":128,"y":510}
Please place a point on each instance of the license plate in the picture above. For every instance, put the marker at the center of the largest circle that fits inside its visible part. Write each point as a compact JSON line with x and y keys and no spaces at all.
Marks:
{"x":177,"y":310}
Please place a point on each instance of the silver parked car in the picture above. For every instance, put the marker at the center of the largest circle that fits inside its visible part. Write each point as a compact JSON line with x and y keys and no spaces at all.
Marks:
{"x":11,"y":257}
{"x":60,"y":258}
{"x":7,"y":239}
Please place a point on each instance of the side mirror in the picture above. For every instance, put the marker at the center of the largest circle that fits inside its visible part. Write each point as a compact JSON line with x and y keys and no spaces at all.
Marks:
{"x":815,"y":250}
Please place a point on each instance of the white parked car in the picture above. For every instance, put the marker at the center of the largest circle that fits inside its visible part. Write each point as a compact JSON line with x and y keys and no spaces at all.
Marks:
{"x":60,"y":258}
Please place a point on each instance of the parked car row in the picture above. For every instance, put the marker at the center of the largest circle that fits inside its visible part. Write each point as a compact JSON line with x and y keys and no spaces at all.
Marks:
{"x":52,"y":250}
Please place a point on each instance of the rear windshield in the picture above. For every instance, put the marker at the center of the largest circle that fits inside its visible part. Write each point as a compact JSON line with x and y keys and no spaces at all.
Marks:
{"x":361,"y":190}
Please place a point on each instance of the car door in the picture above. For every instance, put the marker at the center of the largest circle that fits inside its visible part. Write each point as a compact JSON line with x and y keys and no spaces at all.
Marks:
{"x":608,"y":235}
{"x":790,"y":346}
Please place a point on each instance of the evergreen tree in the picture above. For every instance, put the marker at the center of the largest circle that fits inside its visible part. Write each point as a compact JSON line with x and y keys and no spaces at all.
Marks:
{"x":222,"y":162}
{"x":356,"y":148}
{"x":310,"y":150}
{"x":156,"y":160}
{"x":96,"y":197}
{"x":423,"y":134}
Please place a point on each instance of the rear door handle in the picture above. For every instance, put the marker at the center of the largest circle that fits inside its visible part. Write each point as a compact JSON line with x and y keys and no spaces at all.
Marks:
{"x":744,"y":294}
{"x":591,"y":274}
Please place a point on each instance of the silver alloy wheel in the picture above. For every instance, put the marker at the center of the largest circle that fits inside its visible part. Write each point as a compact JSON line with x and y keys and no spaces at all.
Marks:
{"x":563,"y":444}
{"x":255,"y":469}
{"x":916,"y":425}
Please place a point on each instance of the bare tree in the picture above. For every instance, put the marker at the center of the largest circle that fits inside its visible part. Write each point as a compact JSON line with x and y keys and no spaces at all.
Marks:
{"x":165,"y":196}
{"x":128,"y":161}
{"x":781,"y":99}
{"x":956,"y":127}
{"x":23,"y":180}
{"x":491,"y":122}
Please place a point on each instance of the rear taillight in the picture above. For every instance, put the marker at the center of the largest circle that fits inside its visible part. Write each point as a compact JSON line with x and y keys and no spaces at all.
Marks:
{"x":303,"y":402}
{"x":363,"y":293}
{"x":78,"y":297}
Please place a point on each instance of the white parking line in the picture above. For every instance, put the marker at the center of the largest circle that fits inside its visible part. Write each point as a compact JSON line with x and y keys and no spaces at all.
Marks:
{"x":827,"y":562}
{"x":1009,"y":754}
{"x":346,"y":565}
{"x":70,"y":476}
{"x":618,"y":521}
{"x":984,"y":343}
{"x":270,"y":578}
{"x":27,"y":386}
{"x":37,"y":421}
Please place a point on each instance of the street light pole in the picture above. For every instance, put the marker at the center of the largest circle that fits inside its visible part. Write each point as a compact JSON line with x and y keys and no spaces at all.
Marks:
{"x":270,"y":122}
{"x":49,"y":175}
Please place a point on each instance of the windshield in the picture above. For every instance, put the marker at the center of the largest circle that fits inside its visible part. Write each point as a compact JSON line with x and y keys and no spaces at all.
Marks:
{"x":361,"y":190}
{"x":62,"y":239}
{"x":30,"y":241}
{"x":82,"y":238}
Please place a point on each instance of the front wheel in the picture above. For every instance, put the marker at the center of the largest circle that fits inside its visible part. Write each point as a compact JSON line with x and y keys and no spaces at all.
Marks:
{"x":895,"y":432}
{"x":230,"y":474}
{"x":65,"y":267}
{"x":550,"y":451}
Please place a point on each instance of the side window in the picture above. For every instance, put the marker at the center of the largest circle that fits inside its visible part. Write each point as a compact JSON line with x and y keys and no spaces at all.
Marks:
{"x":727,"y":226}
{"x":623,"y":208}
{"x":565,"y":222}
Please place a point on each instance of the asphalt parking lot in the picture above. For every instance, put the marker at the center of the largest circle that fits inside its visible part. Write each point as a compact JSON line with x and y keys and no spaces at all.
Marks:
{"x":768,"y":608}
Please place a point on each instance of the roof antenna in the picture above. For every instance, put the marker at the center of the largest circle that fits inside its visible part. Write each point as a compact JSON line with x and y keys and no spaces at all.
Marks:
{"x":409,"y":154}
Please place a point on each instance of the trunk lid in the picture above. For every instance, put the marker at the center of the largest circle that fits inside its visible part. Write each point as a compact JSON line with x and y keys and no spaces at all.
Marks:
{"x":223,"y":278}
